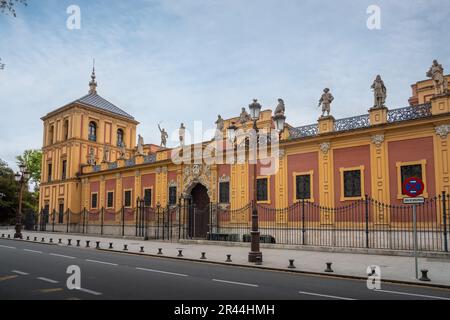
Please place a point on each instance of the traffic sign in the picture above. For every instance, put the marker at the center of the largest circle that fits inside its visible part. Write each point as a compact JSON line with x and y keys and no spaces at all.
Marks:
{"x":413,"y":187}
{"x":416,"y":200}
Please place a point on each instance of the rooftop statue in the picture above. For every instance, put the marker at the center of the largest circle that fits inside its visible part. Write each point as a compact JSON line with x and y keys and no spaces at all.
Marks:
{"x":244,"y":117}
{"x":122,"y":150}
{"x":91,"y":158}
{"x":182,"y":133}
{"x":380,"y":92}
{"x":220,"y":123}
{"x":280,"y":109}
{"x":140,"y":146}
{"x":436,"y":73}
{"x":326,"y":100}
{"x":164,"y":136}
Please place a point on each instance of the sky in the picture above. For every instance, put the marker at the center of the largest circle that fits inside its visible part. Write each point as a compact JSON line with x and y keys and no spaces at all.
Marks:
{"x":173,"y":61}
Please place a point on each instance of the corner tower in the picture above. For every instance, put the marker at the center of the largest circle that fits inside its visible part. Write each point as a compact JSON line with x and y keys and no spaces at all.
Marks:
{"x":89,"y":129}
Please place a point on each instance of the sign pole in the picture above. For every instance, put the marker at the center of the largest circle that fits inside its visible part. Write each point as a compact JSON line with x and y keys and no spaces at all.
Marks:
{"x":415,"y":241}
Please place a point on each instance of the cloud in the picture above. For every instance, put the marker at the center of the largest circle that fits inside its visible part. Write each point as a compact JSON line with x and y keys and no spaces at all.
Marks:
{"x":180,"y":61}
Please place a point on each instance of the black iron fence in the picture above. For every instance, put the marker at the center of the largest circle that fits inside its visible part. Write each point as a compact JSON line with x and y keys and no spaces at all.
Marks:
{"x":364,"y":223}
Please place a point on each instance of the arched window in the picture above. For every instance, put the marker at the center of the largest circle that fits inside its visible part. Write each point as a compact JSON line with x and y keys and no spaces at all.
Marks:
{"x":119,"y":137}
{"x":92,"y":131}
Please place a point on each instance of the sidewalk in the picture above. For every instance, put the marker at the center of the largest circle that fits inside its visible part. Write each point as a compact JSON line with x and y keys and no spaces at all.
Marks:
{"x":397,"y":268}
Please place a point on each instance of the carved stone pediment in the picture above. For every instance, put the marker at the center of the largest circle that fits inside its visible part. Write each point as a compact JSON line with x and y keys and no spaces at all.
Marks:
{"x":194,"y":174}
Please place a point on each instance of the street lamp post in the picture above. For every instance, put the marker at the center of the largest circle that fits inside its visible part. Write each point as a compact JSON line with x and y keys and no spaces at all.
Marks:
{"x":22,"y":178}
{"x":255,"y":255}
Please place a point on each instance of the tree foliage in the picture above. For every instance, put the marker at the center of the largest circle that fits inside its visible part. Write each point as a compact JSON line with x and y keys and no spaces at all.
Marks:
{"x":9,"y":6}
{"x":32,"y":159}
{"x":9,"y":196}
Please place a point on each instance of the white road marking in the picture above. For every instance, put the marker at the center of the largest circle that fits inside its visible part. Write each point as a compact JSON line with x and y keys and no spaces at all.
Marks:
{"x":413,"y":294}
{"x":47,"y":280}
{"x":165,"y":272}
{"x":61,"y":255}
{"x":8,"y":247}
{"x":102,"y":262}
{"x":95,"y":293}
{"x":33,"y":251}
{"x":324,"y":295}
{"x":20,"y":272}
{"x":238,"y":283}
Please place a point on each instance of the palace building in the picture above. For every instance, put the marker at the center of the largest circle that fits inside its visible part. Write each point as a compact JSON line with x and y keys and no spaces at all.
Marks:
{"x":94,"y":172}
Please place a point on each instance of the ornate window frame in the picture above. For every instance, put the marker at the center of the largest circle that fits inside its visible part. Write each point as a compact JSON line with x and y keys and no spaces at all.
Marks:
{"x":361,"y":168}
{"x":90,"y":201}
{"x":108,"y":192}
{"x":151,"y":198}
{"x":224,"y":179}
{"x":399,"y":165}
{"x":311,"y":185}
{"x":268,"y":201}
{"x":131,"y":198}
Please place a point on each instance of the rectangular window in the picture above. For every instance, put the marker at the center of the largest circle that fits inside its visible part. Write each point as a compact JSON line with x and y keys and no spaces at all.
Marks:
{"x":148,"y":197}
{"x":110,"y":199}
{"x":49,"y":172}
{"x":224,"y":192}
{"x":127,"y":199}
{"x":172,"y":195}
{"x":303,"y":187}
{"x":352,"y":183}
{"x":94,"y":200}
{"x":64,"y":170}
{"x":410,"y":171}
{"x":61,"y":212}
{"x":262,"y":189}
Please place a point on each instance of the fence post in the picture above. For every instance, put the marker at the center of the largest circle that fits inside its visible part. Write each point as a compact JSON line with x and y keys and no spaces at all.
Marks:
{"x":444,"y":217}
{"x":367,"y":220}
{"x":136,"y":214}
{"x":53,"y":220}
{"x":303,"y":221}
{"x":179,"y":218}
{"x":123,"y":221}
{"x":102,"y":218}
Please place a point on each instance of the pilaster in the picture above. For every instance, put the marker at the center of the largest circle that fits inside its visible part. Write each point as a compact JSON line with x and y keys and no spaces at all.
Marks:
{"x":326,"y":182}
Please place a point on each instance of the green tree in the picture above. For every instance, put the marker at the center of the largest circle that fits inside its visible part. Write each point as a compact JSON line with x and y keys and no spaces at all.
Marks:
{"x":8,"y":6}
{"x":32,"y":159}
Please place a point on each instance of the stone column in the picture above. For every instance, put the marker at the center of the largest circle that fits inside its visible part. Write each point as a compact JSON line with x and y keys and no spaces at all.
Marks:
{"x":378,"y":116}
{"x":326,"y":124}
{"x":326,"y":182}
{"x":380,"y":177}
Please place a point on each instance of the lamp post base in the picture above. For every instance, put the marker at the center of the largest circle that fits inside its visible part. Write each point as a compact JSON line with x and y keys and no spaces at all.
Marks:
{"x":18,"y":234}
{"x":255,"y":256}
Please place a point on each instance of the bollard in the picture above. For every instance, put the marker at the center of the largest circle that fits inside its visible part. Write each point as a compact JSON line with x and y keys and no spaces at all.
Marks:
{"x":69,"y":242}
{"x":51,"y":240}
{"x":3,"y":235}
{"x":228,"y":258}
{"x":328,"y":269}
{"x":291,"y":264}
{"x":87,"y":243}
{"x":258,"y":261}
{"x":125,"y":247}
{"x":142,"y":249}
{"x":35,"y":238}
{"x":59,"y":240}
{"x":78,"y":243}
{"x":203,"y":257}
{"x":372,"y":272}
{"x":180,"y":253}
{"x":28,"y":237}
{"x":42,"y":240}
{"x":160,"y":251}
{"x":424,"y":275}
{"x":97,"y":245}
{"x":9,"y":236}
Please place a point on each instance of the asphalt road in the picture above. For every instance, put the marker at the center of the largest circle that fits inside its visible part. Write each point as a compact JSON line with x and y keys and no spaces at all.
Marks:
{"x":37,"y":271}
